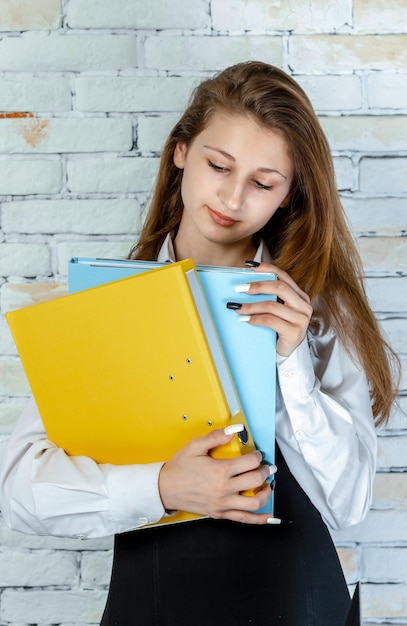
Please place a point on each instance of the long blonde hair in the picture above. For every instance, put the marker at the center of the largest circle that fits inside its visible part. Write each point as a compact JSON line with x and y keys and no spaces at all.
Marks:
{"x":309,"y":237}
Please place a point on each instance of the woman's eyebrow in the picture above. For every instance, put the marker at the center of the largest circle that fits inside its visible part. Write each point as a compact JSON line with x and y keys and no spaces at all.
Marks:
{"x":265,"y":170}
{"x":225,"y":154}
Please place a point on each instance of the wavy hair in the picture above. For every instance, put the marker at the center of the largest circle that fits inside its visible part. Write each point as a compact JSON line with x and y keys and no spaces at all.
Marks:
{"x":309,"y":237}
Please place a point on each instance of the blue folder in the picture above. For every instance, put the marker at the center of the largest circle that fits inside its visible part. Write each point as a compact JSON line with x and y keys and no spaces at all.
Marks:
{"x":250,"y":350}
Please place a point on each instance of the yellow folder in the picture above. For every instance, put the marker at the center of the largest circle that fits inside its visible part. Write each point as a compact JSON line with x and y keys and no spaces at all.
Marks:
{"x":130,"y":371}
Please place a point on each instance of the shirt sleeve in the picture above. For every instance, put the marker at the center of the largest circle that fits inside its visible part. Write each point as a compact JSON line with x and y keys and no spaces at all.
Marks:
{"x":325,"y":428}
{"x":44,"y":491}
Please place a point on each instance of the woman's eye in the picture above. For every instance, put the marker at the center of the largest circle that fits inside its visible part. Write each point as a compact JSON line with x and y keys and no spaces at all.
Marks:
{"x":217,"y":168}
{"x":261,"y":186}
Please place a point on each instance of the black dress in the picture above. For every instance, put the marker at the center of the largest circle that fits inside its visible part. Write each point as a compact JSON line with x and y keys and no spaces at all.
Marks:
{"x":221,"y":573}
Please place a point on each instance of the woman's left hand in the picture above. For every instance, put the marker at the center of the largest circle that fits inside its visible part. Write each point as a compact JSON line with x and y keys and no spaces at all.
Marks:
{"x":289,"y":316}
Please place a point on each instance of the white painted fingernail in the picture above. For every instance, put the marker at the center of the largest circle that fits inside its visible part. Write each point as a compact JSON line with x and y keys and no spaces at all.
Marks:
{"x":242,"y":288}
{"x":244,"y":318}
{"x":272,"y":469}
{"x":274,"y":521}
{"x":233,"y":428}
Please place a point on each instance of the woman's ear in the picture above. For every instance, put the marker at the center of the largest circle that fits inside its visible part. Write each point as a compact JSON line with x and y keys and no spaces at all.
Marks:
{"x":180,"y":153}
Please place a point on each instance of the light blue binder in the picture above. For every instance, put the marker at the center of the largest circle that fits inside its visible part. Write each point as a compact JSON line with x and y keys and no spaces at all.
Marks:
{"x":250,"y":350}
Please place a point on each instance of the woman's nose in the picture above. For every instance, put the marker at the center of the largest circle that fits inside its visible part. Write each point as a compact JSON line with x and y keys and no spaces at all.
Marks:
{"x":232,"y":194}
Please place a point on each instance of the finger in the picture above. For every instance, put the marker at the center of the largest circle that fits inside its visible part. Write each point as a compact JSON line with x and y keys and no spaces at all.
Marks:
{"x":241,"y":502}
{"x":253,"y":480}
{"x":289,"y":337}
{"x":290,"y":324}
{"x":282,"y":277}
{"x":247,"y":517}
{"x":298,"y":316}
{"x":253,"y":518}
{"x":289,"y":292}
{"x":280,"y":273}
{"x":218,"y":437}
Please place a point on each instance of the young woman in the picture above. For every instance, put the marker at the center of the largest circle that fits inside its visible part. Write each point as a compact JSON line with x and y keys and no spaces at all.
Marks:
{"x":246,"y":177}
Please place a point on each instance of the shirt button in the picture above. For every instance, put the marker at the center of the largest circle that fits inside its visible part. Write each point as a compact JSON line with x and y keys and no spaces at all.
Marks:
{"x":81,"y":536}
{"x":287,"y":375}
{"x":299,"y":434}
{"x":143,"y":520}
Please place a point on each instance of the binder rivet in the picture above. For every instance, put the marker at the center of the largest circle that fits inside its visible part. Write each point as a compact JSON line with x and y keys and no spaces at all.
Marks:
{"x":171,"y":377}
{"x":189,"y":361}
{"x":185,"y":417}
{"x":209,"y":423}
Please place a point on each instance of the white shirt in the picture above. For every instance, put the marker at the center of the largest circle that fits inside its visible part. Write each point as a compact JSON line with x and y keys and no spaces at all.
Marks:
{"x":324,"y":428}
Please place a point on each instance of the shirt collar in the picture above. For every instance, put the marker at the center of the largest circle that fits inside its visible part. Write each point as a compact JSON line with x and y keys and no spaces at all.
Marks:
{"x":167,"y":254}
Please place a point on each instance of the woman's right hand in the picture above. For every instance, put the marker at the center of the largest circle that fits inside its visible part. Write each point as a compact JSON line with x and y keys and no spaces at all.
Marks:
{"x":193,"y":481}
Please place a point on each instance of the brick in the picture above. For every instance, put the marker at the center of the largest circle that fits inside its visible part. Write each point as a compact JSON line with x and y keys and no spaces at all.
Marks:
{"x":185,"y":53}
{"x":391,"y":453}
{"x":383,"y":175}
{"x":24,"y":259}
{"x":387,"y":295}
{"x":332,"y":93}
{"x":152,"y":132}
{"x":344,"y":173}
{"x":83,"y":624}
{"x":398,"y":418}
{"x":102,"y":249}
{"x":19,"y":295}
{"x":386,"y":90}
{"x":378,"y":526}
{"x":24,"y":177}
{"x":21,"y":568}
{"x":403,"y":382}
{"x":396,"y":332}
{"x":112,"y":216}
{"x":9,"y":414}
{"x":386,"y":216}
{"x":17,"y":15}
{"x":96,"y":568}
{"x":147,"y":93}
{"x":380,"y":16}
{"x":364,"y":133}
{"x":390,"y":491}
{"x":349,"y":561}
{"x":23,"y":93}
{"x":111,"y":175}
{"x":41,"y":135}
{"x":260,"y":15}
{"x":12,"y":379}
{"x":384,"y":601}
{"x":51,"y":607}
{"x":347,"y":53}
{"x":7,"y":346}
{"x":38,"y":52}
{"x":143,"y":14}
{"x":384,"y":564}
{"x":383,"y":253}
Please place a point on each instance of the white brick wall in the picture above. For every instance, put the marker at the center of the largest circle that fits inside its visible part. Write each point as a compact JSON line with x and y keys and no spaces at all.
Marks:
{"x":88,"y":92}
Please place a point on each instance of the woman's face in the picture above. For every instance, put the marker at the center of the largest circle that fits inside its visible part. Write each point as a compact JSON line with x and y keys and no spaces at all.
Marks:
{"x":236,"y":174}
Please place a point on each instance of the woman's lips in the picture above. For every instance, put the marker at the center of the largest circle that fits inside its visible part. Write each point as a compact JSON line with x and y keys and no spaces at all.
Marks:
{"x":221,"y":219}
